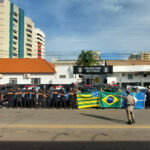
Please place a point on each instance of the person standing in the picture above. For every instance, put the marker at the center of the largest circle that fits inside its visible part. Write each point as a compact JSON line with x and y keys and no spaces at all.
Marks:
{"x":72,"y":103}
{"x":55,"y":98}
{"x":27,"y":97}
{"x":62,"y":99}
{"x":40,"y":97}
{"x":130,"y":103}
{"x":48,"y":102}
{"x":33,"y":98}
{"x":148,"y":98}
{"x":1,"y":100}
{"x":18,"y":97}
{"x":10,"y":97}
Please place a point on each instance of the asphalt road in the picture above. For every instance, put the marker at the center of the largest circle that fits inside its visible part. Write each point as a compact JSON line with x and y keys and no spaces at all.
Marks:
{"x":73,"y":129}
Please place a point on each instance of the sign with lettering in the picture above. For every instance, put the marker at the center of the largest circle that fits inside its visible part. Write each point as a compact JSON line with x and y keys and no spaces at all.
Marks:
{"x":93,"y":69}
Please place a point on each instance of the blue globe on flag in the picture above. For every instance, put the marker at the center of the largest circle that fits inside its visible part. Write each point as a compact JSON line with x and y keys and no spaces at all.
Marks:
{"x":110,"y":100}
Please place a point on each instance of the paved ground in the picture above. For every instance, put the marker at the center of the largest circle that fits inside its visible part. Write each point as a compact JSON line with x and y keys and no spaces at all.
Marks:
{"x":73,"y":129}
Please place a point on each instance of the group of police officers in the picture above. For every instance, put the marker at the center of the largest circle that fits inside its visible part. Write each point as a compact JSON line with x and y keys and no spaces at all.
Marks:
{"x":35,"y":99}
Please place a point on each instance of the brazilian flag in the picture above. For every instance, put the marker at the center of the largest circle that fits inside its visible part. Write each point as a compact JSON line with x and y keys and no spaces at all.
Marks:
{"x":110,"y":100}
{"x":87,"y":100}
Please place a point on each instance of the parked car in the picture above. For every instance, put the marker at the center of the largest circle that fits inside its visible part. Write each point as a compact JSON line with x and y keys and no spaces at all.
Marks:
{"x":141,"y":89}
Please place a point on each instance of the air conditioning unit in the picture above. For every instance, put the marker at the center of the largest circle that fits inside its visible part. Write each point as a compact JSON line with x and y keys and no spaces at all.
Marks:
{"x":26,"y":76}
{"x":1,"y":76}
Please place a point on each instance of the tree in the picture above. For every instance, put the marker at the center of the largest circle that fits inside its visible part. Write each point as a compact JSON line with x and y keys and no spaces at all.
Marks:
{"x":86,"y":58}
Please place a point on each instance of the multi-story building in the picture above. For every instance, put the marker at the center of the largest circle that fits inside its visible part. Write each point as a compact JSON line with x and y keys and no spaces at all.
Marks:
{"x":135,"y":56}
{"x":140,"y":56}
{"x":17,"y":33}
{"x":39,"y":43}
{"x":145,"y":55}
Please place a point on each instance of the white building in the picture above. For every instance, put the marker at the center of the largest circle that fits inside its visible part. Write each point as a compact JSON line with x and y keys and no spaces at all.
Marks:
{"x":133,"y":72}
{"x":17,"y":34}
{"x":64,"y":72}
{"x":124,"y":72}
{"x":26,"y":71}
{"x":39,"y":43}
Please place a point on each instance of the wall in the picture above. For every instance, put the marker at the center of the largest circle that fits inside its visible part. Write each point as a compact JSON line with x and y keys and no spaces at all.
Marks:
{"x":65,"y":69}
{"x":45,"y":78}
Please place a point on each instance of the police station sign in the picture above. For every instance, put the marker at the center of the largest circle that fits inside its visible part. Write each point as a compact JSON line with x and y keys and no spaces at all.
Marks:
{"x":93,"y":70}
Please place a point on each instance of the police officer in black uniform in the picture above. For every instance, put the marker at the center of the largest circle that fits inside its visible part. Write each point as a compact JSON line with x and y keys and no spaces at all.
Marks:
{"x":27,"y":97}
{"x":72,"y":101}
{"x":48,"y":103}
{"x":40,"y":97}
{"x":33,"y":98}
{"x":62,"y":99}
{"x":10,"y":97}
{"x":55,"y":98}
{"x":18,"y":97}
{"x":1,"y":100}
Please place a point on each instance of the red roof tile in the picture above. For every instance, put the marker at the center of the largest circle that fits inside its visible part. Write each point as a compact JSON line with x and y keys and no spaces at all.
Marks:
{"x":16,"y":65}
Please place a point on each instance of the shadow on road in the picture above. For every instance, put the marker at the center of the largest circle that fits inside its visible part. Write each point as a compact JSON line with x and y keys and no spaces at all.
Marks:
{"x":117,"y":145}
{"x":104,"y":118}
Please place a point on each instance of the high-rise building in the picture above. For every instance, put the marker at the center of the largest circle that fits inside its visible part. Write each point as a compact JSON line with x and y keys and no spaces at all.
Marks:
{"x":140,"y":56}
{"x":18,"y":38}
{"x":145,"y":55}
{"x":40,"y":43}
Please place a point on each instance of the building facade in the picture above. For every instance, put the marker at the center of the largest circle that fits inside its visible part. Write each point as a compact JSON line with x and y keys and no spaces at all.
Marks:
{"x":26,"y":71}
{"x":140,"y":56}
{"x":17,"y":33}
{"x":39,"y":43}
{"x":129,"y":72}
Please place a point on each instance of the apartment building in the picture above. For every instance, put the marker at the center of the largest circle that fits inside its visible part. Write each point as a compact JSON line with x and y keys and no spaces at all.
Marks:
{"x":17,"y":33}
{"x":140,"y":56}
{"x":39,"y":43}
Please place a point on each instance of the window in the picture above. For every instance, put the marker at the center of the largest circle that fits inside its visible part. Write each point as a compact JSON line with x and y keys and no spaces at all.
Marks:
{"x":28,"y":45}
{"x":14,"y":48}
{"x":130,"y":76}
{"x":15,"y":37}
{"x":13,"y":80}
{"x":35,"y":81}
{"x":15,"y":20}
{"x":29,"y":40}
{"x":30,"y":50}
{"x":29,"y":54}
{"x":14,"y":54}
{"x":28,"y":35}
{"x":62,"y":76}
{"x":123,"y":74}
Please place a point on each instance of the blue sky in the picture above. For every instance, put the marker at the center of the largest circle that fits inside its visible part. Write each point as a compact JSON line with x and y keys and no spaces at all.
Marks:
{"x":116,"y":28}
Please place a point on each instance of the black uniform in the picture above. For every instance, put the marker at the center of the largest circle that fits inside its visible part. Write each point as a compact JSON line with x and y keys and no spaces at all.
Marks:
{"x":72,"y":100}
{"x":10,"y":97}
{"x":19,"y":98}
{"x":40,"y":98}
{"x":55,"y":98}
{"x":33,"y":98}
{"x":62,"y":99}
{"x":1,"y":100}
{"x":27,"y":98}
{"x":147,"y":98}
{"x":48,"y":103}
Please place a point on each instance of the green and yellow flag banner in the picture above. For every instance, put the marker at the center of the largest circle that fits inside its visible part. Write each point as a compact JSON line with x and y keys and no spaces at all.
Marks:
{"x":110,"y":100}
{"x":87,"y":100}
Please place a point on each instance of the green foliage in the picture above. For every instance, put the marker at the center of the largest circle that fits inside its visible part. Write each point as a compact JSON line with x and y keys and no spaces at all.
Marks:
{"x":86,"y":58}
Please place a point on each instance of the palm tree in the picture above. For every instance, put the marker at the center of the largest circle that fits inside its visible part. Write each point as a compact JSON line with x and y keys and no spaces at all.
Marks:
{"x":86,"y":58}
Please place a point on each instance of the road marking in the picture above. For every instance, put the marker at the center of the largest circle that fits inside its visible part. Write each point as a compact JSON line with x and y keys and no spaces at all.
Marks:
{"x":53,"y":126}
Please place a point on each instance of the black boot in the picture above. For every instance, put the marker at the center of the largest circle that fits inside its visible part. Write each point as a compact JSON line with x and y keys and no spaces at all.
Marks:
{"x":133,"y":121}
{"x":129,"y":122}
